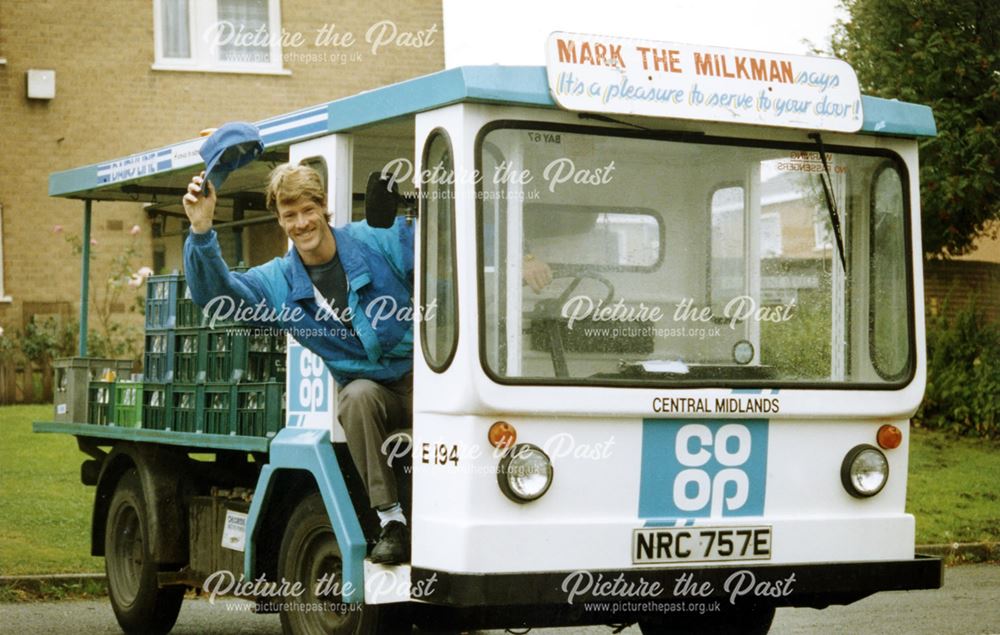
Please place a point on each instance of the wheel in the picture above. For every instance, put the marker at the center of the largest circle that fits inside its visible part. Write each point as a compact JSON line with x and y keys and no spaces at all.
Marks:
{"x":756,"y":621}
{"x":140,"y":605}
{"x":309,"y":551}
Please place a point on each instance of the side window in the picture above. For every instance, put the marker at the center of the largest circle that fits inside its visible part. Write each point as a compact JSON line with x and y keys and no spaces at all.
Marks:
{"x":888,"y":328}
{"x":439,"y":328}
{"x":727,"y":253}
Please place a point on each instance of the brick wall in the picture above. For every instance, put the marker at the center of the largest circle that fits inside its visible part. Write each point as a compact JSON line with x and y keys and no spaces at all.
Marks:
{"x":109,"y":103}
{"x":957,"y":282}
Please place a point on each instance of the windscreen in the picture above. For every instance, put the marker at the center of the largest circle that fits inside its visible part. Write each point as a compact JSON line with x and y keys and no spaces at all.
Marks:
{"x":609,"y":257}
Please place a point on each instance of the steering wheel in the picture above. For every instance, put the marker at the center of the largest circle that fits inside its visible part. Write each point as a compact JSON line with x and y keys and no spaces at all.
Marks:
{"x":548,"y":314}
{"x":552,"y":307}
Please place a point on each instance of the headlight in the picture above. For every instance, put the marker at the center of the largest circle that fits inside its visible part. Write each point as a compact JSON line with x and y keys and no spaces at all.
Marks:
{"x":864,"y":471}
{"x":525,"y":473}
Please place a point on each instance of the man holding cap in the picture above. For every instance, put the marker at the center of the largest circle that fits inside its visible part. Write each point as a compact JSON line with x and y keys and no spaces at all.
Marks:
{"x":338,"y":279}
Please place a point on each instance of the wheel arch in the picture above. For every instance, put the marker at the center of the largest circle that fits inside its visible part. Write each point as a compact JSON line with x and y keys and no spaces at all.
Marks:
{"x":306,"y":458}
{"x":165,"y":488}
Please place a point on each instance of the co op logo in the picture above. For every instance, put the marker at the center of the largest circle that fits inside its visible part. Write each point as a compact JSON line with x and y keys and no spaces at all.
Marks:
{"x":699,"y":468}
{"x":308,"y":382}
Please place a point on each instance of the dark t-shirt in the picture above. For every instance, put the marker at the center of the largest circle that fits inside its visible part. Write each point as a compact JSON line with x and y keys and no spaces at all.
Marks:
{"x":331,"y":281}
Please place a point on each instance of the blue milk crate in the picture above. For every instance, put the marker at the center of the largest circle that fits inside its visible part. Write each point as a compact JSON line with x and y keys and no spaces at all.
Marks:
{"x":161,"y":301}
{"x":158,"y":358}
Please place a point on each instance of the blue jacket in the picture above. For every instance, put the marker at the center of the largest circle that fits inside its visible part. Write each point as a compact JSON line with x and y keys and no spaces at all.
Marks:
{"x":379,"y":268}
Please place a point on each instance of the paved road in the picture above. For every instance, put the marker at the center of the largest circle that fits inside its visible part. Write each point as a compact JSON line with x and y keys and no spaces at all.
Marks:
{"x":967,"y":604}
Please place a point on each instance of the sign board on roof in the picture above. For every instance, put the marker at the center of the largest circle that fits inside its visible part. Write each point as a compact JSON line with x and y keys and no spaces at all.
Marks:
{"x":596,"y":73}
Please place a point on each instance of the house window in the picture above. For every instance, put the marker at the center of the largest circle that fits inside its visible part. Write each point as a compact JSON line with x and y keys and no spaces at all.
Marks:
{"x":224,"y":36}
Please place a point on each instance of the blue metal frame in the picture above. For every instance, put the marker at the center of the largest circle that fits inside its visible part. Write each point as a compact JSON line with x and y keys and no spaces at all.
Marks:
{"x":510,"y":85}
{"x":310,"y":449}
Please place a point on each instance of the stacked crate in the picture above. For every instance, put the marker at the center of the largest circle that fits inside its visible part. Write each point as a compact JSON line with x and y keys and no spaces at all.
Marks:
{"x":228,"y":379}
{"x":158,"y":358}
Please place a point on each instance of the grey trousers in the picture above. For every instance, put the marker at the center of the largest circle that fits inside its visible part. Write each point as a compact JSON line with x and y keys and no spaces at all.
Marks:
{"x":369,"y":412}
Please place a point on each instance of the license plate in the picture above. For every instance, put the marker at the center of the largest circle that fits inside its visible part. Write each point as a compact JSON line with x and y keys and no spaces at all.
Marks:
{"x":658,"y":545}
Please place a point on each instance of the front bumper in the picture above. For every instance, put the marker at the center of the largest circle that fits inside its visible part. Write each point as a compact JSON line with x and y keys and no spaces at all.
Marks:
{"x":812,"y":585}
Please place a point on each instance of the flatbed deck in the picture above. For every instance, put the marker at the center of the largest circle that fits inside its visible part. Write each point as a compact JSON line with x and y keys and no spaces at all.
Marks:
{"x":169,"y":437}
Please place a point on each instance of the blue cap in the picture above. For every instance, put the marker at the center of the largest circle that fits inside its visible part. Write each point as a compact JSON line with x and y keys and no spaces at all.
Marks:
{"x":228,"y":149}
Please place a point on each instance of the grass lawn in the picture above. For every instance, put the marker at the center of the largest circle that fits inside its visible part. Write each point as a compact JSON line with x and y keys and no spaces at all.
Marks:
{"x":45,"y":510}
{"x":954,"y":488}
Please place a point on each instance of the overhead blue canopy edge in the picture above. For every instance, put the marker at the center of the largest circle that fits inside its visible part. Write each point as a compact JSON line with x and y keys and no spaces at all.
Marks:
{"x":511,"y":85}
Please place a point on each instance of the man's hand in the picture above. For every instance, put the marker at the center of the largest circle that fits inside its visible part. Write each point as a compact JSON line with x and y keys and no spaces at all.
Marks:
{"x":536,"y":273}
{"x":199,"y":206}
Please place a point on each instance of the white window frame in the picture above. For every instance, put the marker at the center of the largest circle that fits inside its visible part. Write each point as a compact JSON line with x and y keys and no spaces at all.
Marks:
{"x":4,"y":298}
{"x":202,"y":14}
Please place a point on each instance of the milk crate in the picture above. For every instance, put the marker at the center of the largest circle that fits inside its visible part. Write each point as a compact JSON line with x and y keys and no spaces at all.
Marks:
{"x":244,"y":354}
{"x":101,"y":403}
{"x":220,"y":409}
{"x":187,"y":407}
{"x":161,"y":301}
{"x":189,"y":314}
{"x":128,"y":404}
{"x":155,"y":406}
{"x":72,"y":383}
{"x":189,"y":355}
{"x":260,"y":409}
{"x":158,"y":358}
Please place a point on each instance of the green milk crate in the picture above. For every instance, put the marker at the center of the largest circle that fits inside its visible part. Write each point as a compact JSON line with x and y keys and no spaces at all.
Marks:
{"x":128,"y":404}
{"x":265,"y":357}
{"x":226,"y":352}
{"x":187,"y":407}
{"x":220,"y":409}
{"x":155,"y":406}
{"x":260,"y":409}
{"x":264,"y":367}
{"x":101,"y":403}
{"x":244,"y":354}
{"x":189,"y":314}
{"x":190,"y":355}
{"x":158,"y":357}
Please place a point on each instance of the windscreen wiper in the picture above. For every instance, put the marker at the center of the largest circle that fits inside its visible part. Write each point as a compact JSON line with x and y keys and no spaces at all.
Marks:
{"x":831,"y":202}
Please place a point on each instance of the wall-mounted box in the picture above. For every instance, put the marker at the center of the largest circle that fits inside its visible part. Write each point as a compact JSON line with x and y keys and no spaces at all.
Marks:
{"x":41,"y":84}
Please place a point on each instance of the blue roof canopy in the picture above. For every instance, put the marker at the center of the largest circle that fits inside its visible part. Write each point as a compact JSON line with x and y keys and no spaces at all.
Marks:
{"x":511,"y":85}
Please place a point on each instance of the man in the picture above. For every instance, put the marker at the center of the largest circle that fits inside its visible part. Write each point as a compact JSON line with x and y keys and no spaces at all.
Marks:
{"x":351,"y":286}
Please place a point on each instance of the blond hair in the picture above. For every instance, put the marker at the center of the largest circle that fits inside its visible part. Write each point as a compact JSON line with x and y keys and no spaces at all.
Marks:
{"x":290,"y":182}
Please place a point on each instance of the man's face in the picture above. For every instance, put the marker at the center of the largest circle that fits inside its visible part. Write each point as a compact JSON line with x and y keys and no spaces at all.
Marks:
{"x":304,"y":221}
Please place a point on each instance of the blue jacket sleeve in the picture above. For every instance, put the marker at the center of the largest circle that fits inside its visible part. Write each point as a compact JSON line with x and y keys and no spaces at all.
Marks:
{"x":395,"y":243}
{"x":210,"y":280}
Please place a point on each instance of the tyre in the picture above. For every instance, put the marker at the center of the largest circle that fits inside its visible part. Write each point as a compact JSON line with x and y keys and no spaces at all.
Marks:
{"x":309,"y":551}
{"x":140,"y":605}
{"x":747,"y":622}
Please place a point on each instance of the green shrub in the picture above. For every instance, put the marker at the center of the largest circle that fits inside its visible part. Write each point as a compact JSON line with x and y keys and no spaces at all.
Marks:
{"x":963,"y":374}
